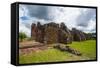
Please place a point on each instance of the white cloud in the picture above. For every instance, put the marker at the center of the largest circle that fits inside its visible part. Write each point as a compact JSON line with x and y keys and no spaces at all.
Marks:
{"x":68,"y":15}
{"x":90,"y":28}
{"x":23,"y":28}
{"x":23,"y":11}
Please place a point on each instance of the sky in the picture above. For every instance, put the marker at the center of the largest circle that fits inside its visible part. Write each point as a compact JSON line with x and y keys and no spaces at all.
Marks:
{"x":83,"y":19}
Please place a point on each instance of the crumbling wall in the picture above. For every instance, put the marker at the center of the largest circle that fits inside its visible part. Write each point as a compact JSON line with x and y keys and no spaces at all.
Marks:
{"x":65,"y":33}
{"x":78,"y":35}
{"x":39,"y":33}
{"x":51,"y":32}
{"x":33,"y":31}
{"x":63,"y":36}
{"x":56,"y":33}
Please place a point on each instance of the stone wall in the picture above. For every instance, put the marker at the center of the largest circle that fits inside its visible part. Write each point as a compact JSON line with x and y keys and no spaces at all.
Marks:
{"x":56,"y":33}
{"x":78,"y":35}
{"x":51,"y":32}
{"x":66,"y":33}
{"x":33,"y":31}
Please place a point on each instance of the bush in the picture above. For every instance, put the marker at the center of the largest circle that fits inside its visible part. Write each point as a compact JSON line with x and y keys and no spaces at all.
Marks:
{"x":22,"y":36}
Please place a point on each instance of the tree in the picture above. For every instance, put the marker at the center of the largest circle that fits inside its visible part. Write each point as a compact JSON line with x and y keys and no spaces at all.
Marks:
{"x":22,"y":36}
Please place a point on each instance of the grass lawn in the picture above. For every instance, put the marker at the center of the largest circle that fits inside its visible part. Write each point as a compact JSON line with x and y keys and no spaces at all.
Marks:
{"x":87,"y":48}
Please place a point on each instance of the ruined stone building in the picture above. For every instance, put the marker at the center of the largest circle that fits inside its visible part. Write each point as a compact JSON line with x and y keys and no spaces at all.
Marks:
{"x":78,"y":35}
{"x":55,"y":33}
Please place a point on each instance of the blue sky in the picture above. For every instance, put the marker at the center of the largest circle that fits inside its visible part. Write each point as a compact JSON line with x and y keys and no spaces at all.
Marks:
{"x":83,"y":19}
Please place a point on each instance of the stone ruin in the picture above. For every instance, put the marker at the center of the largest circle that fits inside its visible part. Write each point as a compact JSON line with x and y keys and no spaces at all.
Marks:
{"x":37,"y":32}
{"x":56,"y":33}
{"x":65,"y":34}
{"x":78,"y":35}
{"x":68,"y":49}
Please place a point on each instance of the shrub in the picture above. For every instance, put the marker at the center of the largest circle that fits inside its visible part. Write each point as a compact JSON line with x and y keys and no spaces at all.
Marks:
{"x":22,"y":36}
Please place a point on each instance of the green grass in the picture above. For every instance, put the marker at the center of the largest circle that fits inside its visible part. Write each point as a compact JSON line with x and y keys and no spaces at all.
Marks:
{"x":87,"y":48}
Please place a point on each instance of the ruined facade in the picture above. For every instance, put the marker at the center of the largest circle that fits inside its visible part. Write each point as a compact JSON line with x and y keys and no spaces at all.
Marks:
{"x":51,"y":32}
{"x":78,"y":35}
{"x":37,"y":32}
{"x":55,"y":33}
{"x":65,"y":34}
